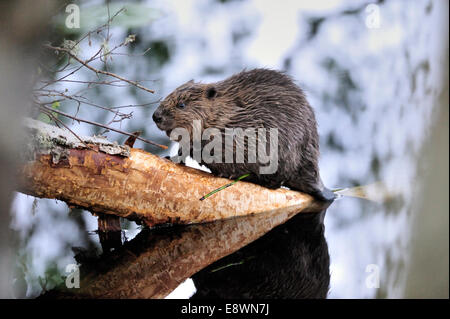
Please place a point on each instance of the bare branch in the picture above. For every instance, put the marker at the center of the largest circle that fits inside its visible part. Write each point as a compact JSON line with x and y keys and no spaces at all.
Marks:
{"x":100,"y":125}
{"x":85,"y":63}
{"x":49,"y":91}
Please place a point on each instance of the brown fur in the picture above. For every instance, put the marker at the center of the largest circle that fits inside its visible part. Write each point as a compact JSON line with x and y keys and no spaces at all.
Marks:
{"x":259,"y":98}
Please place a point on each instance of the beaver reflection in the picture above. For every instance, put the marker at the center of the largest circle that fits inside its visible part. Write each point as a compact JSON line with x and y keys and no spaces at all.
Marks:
{"x":290,"y":261}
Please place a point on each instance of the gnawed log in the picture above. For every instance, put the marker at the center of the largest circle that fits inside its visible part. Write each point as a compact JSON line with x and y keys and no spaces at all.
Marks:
{"x":101,"y":176}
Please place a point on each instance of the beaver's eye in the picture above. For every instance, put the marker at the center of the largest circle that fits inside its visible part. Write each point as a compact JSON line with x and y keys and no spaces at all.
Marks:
{"x":181,"y":105}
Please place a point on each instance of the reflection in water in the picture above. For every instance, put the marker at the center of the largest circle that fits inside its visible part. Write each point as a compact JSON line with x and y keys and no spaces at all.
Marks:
{"x":157,"y":260}
{"x":291,"y":261}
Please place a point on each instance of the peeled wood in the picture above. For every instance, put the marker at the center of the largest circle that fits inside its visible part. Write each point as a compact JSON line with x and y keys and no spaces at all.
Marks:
{"x":141,"y":186}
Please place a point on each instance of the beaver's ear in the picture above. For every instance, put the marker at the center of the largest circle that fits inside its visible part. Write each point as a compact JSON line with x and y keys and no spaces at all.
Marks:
{"x":211,"y":92}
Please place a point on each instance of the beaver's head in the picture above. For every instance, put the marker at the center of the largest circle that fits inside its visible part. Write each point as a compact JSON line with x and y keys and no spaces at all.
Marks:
{"x":189,"y":102}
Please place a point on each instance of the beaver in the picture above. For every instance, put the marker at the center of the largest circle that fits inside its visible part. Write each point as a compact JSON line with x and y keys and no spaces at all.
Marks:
{"x":253,"y":99}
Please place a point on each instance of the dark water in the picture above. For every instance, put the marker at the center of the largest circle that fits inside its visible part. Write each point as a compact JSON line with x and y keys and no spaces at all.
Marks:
{"x":375,"y":86}
{"x":291,"y":261}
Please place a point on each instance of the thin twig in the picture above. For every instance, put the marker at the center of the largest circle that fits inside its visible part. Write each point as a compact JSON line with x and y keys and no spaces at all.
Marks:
{"x":86,"y":101}
{"x":100,"y":125}
{"x":58,"y":121}
{"x":224,"y":186}
{"x":85,"y":63}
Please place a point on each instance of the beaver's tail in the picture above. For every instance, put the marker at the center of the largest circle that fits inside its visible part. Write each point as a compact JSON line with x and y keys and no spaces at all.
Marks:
{"x":325,"y":195}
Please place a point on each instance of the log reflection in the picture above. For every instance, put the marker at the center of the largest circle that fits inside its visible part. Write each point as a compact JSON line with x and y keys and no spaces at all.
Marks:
{"x":158,"y":260}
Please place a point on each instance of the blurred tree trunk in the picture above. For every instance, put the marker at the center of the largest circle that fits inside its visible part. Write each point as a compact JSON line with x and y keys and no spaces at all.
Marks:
{"x":428,"y":272}
{"x":21,"y":26}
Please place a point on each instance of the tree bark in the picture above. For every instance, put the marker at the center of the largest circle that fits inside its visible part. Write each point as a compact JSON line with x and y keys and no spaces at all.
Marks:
{"x":100,"y":176}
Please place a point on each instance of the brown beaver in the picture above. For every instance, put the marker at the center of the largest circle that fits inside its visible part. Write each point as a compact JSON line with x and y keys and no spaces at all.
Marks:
{"x":259,"y":98}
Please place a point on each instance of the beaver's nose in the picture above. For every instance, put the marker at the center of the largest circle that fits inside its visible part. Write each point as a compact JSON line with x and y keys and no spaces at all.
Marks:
{"x":157,"y":117}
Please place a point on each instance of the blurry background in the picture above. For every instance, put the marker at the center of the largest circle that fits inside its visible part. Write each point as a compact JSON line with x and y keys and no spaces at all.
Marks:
{"x":376,"y":74}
